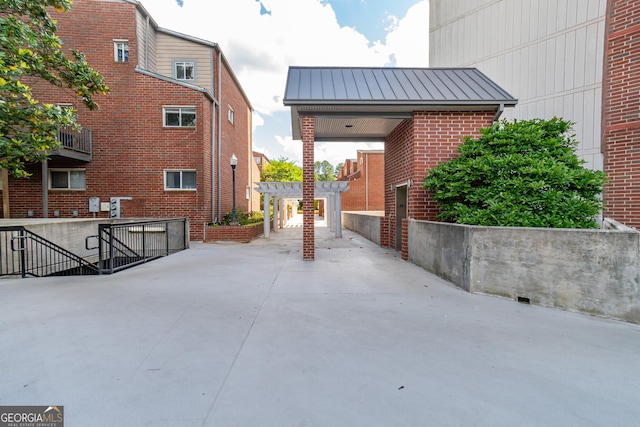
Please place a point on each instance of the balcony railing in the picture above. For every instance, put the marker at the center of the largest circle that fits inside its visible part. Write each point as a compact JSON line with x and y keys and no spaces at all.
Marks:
{"x":75,"y":143}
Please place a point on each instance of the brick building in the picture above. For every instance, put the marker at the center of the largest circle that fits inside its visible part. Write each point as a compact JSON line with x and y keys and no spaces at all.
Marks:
{"x":420,"y":114}
{"x":365,"y":175}
{"x":162,"y":138}
{"x":621,"y":111}
{"x":571,"y":59}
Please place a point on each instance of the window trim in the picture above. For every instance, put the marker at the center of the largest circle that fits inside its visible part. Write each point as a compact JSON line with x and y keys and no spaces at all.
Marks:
{"x":68,"y":171}
{"x":117,"y":42}
{"x":174,"y":67}
{"x":231,"y":114}
{"x":181,"y":180}
{"x":179,"y":107}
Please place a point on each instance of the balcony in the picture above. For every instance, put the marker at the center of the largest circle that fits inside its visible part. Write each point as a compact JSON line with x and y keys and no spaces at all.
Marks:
{"x":76,"y":144}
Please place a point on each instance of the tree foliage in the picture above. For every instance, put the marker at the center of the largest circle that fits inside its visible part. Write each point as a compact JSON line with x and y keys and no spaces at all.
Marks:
{"x":338,"y":168}
{"x":281,"y":170}
{"x":520,"y":173}
{"x":30,"y":48}
{"x":324,"y":171}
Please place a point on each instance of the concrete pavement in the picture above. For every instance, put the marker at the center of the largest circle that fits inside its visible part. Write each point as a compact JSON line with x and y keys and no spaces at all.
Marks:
{"x":251,"y":335}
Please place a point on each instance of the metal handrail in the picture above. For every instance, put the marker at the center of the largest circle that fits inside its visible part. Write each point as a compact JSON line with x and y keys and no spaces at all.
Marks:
{"x":124,"y":245}
{"x":120,"y":246}
{"x":75,"y":139}
{"x":36,"y":256}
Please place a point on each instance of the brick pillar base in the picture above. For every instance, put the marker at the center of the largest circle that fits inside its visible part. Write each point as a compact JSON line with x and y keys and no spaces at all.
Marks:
{"x":405,"y":239}
{"x":308,"y":191}
{"x":384,"y":231}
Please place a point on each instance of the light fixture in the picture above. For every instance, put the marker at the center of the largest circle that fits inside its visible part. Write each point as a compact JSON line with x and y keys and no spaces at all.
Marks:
{"x":234,"y":162}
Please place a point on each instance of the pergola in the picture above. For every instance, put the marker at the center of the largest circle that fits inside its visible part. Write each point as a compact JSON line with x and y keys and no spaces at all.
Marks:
{"x":331,"y":191}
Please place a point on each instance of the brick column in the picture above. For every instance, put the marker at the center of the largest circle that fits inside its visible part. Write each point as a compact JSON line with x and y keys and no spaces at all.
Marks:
{"x":308,"y":193}
{"x":620,"y":118}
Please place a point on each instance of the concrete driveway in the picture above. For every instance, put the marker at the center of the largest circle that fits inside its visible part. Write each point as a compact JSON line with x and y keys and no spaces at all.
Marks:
{"x":250,"y":335}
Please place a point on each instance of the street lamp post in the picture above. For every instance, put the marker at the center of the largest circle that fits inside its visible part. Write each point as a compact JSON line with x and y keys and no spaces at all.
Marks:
{"x":234,"y":163}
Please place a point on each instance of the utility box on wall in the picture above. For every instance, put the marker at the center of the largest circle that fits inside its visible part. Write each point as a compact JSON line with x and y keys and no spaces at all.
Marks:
{"x":114,"y":206}
{"x":94,"y":204}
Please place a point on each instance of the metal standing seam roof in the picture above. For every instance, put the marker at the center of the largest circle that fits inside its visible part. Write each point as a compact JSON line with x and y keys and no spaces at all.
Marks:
{"x":375,"y":86}
{"x":365,"y":104}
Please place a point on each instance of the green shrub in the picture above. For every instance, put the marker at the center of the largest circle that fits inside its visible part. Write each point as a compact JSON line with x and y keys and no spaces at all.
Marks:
{"x":520,"y":174}
{"x":243,"y":218}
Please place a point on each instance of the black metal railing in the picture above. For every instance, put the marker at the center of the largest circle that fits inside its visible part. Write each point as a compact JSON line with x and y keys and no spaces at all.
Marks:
{"x":124,"y":245}
{"x":74,"y":139}
{"x":23,"y":253}
{"x":120,"y":246}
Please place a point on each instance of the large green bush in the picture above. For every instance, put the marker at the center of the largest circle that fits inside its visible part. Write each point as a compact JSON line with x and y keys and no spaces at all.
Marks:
{"x":520,"y":174}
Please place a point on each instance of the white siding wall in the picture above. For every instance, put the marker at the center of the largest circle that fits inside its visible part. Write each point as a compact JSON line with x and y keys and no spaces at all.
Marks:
{"x":546,"y":53}
{"x":172,"y":48}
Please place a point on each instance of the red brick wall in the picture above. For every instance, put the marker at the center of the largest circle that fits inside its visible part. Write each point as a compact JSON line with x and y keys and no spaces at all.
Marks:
{"x":621,"y":111}
{"x":366,"y":190}
{"x":235,"y":139}
{"x":416,"y":146}
{"x":233,"y":233}
{"x":131,"y":149}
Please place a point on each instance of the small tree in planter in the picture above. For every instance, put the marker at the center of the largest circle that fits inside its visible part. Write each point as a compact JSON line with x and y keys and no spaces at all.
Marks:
{"x":520,"y":174}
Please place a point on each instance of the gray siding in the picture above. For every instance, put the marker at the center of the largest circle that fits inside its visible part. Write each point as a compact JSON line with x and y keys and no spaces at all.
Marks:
{"x":146,"y":43}
{"x":171,"y":48}
{"x":547,"y":53}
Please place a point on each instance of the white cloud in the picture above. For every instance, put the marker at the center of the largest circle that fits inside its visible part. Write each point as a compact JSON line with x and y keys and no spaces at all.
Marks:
{"x":256,"y":120}
{"x":260,"y":48}
{"x":291,"y":149}
{"x":409,"y":41}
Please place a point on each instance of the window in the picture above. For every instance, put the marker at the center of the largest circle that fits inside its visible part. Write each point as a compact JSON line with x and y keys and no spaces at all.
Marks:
{"x":230,"y":114}
{"x":179,"y":180}
{"x":121,"y":50}
{"x":185,"y":70}
{"x":67,"y":179}
{"x":179,"y":116}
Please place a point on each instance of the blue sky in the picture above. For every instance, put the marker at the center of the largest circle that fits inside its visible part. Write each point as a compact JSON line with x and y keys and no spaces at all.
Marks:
{"x":262,"y":38}
{"x":371,"y":18}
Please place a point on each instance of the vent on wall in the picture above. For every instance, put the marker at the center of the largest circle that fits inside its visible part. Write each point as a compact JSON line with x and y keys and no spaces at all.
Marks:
{"x":523,"y":300}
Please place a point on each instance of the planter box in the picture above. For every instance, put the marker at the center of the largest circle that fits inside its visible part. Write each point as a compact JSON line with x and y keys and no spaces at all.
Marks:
{"x":233,"y":233}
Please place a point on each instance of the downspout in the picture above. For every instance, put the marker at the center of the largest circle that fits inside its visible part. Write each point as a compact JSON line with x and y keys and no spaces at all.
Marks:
{"x":146,"y":46}
{"x":214,"y":104}
{"x":45,"y":189}
{"x":498,"y":113}
{"x":366,"y":182}
{"x":218,"y":130}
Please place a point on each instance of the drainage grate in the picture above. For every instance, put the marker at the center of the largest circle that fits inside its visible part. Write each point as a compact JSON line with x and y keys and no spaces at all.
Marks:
{"x":524,"y":300}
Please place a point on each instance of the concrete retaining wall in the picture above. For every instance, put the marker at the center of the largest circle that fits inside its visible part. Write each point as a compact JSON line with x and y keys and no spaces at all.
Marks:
{"x":590,"y":271}
{"x":365,"y":223}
